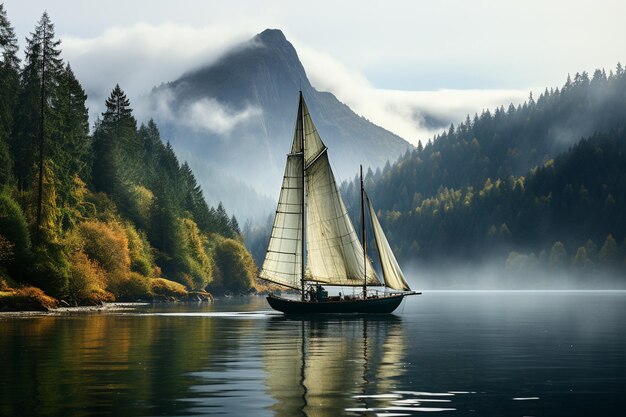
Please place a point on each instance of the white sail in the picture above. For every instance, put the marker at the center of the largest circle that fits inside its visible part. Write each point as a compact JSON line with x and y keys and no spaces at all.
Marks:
{"x":283,"y":259}
{"x":334,"y":253}
{"x":394,"y":278}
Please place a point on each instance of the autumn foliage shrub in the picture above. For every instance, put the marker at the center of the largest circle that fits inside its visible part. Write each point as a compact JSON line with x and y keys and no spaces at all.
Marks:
{"x":237,"y":270}
{"x":107,"y":244}
{"x":130,"y":287}
{"x":27,"y":299}
{"x":167,"y":288}
{"x":140,"y":252}
{"x":196,"y":258}
{"x":87,"y":280}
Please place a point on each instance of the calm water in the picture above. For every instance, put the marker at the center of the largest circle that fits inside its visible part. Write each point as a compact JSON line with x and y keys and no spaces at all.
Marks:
{"x":449,"y":354}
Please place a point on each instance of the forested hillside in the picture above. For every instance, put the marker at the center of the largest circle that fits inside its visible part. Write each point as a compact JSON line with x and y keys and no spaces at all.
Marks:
{"x":519,"y":183}
{"x":101,"y":216}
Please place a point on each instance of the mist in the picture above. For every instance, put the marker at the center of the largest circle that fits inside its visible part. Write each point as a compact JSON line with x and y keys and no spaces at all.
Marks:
{"x":493,"y":274}
{"x":202,"y":115}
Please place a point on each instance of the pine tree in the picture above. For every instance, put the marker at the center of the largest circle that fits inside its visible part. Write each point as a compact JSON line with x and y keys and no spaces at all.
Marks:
{"x":234,"y":225}
{"x":118,"y":112}
{"x":609,"y":254}
{"x":558,"y":255}
{"x":9,"y":90}
{"x":222,"y":221}
{"x":194,"y":201}
{"x":40,"y":79}
{"x":70,"y":147}
{"x":151,"y":146}
{"x":116,"y":146}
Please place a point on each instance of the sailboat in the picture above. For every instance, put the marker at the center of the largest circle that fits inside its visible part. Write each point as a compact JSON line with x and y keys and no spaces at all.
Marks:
{"x":313,"y":241}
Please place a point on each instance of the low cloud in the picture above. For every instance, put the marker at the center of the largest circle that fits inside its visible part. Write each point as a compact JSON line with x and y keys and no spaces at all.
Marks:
{"x":206,"y":114}
{"x":413,"y":115}
{"x":142,"y":55}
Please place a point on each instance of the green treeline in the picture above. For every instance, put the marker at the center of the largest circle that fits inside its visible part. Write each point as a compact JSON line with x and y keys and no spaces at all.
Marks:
{"x":519,"y":183}
{"x":104,"y":215}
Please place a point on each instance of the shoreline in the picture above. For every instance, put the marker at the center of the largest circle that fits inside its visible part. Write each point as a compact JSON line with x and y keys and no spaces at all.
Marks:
{"x":34,"y":300}
{"x":105,"y":307}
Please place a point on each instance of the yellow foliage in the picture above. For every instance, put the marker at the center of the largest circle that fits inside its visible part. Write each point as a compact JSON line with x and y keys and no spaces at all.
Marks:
{"x":101,"y":206}
{"x":78,"y":206}
{"x":197,"y":256}
{"x":143,"y":199}
{"x":237,"y":270}
{"x":86,"y":280}
{"x":50,"y":225}
{"x":167,"y":288}
{"x":130,"y":287}
{"x":27,"y":299}
{"x":80,"y":189}
{"x":4,"y":284}
{"x":107,"y":244}
{"x":140,"y":251}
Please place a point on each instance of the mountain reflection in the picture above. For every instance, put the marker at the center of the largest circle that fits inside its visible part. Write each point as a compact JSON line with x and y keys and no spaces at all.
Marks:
{"x":315,"y":368}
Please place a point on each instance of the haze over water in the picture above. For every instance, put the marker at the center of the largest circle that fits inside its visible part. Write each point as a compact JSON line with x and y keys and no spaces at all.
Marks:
{"x":447,"y":353}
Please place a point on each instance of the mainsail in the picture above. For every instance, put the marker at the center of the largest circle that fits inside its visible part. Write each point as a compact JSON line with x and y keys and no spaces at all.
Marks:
{"x":334,"y":254}
{"x":394,"y":278}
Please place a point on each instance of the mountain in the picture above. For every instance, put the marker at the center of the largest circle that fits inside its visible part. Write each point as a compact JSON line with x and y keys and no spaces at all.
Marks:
{"x":520,"y":181}
{"x":237,"y":116}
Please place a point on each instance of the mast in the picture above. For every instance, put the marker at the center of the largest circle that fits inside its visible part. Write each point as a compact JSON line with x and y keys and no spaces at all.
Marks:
{"x":363,"y":236}
{"x":303,"y":267}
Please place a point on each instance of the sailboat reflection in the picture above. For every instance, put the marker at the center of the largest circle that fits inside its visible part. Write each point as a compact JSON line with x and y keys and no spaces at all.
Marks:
{"x":321,"y":367}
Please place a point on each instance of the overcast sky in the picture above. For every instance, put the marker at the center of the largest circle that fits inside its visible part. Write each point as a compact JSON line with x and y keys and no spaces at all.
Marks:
{"x":384,"y":59}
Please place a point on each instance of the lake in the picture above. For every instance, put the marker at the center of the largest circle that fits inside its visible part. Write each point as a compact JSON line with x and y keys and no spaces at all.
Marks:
{"x":441,"y":353}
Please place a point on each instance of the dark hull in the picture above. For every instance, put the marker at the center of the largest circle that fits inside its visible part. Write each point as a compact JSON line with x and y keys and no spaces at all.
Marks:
{"x":382,"y":305}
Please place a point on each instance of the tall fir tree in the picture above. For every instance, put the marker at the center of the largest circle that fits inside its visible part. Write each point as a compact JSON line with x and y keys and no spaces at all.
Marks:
{"x":40,"y":78}
{"x":9,"y":90}
{"x":70,"y":144}
{"x":151,"y":145}
{"x":116,"y":146}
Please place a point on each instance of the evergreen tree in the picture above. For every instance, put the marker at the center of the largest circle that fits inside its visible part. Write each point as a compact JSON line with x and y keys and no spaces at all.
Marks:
{"x":222,"y":221}
{"x":9,"y":90}
{"x":116,"y":146}
{"x":118,"y":113}
{"x":70,"y":146}
{"x":234,"y":225}
{"x":609,"y":254}
{"x":151,"y":146}
{"x":40,"y":79}
{"x":194,"y":200}
{"x":581,"y":260}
